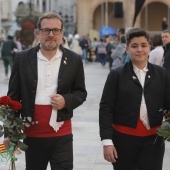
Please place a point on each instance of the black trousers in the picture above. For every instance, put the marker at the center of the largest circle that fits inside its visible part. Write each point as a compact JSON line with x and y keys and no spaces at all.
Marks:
{"x":138,"y":153}
{"x":58,"y":151}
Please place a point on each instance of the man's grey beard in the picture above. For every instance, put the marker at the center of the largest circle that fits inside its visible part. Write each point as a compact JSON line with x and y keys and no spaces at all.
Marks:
{"x":49,"y":47}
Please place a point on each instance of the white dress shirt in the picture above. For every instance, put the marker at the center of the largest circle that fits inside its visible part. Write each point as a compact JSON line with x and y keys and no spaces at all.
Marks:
{"x":47,"y":83}
{"x":156,"y":55}
{"x":141,"y":74}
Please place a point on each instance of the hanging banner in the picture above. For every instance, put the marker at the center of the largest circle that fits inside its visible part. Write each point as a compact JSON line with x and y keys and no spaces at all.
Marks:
{"x":138,"y":7}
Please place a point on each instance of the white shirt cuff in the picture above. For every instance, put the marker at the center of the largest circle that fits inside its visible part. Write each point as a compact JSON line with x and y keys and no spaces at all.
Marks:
{"x":107,"y":142}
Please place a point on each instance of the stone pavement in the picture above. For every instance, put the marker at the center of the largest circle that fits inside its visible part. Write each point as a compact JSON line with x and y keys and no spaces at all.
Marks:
{"x":87,"y":145}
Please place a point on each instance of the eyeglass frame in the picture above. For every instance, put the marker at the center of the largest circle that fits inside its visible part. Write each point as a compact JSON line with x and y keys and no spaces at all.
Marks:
{"x":42,"y":29}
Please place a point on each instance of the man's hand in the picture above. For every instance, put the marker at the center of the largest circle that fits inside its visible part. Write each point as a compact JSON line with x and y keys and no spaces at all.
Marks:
{"x":57,"y":101}
{"x":7,"y":143}
{"x":110,"y":153}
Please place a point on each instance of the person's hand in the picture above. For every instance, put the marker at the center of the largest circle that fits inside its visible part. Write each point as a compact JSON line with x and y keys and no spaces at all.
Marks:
{"x":57,"y":101}
{"x":110,"y":153}
{"x":6,"y":143}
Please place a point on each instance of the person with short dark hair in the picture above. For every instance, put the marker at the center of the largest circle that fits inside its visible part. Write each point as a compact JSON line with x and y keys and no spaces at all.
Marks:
{"x":129,"y":113}
{"x":7,"y":51}
{"x":156,"y":55}
{"x":120,"y":32}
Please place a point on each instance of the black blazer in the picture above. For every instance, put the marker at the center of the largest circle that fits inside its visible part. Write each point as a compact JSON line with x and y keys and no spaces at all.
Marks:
{"x":122,"y":94}
{"x":71,"y":82}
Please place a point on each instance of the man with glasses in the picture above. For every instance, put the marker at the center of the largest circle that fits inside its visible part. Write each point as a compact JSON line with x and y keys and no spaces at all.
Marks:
{"x":49,"y":82}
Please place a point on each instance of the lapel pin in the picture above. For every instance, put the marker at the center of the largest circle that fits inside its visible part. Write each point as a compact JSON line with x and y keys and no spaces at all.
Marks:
{"x":65,"y":62}
{"x":134,"y":78}
{"x":149,"y":76}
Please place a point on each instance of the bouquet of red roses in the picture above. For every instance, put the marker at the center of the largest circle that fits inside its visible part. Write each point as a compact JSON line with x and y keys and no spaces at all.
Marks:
{"x":12,"y":127}
{"x":164,"y":130}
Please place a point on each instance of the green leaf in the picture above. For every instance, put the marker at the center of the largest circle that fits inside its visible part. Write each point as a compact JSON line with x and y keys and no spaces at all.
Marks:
{"x":19,"y":120}
{"x":14,"y":138}
{"x":1,"y":127}
{"x":1,"y":117}
{"x":22,"y":136}
{"x":20,"y":126}
{"x":22,"y":146}
{"x":7,"y":123}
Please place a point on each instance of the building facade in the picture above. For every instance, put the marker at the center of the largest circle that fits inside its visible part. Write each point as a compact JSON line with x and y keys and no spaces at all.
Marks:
{"x":12,"y":10}
{"x":147,"y":14}
{"x":86,"y":16}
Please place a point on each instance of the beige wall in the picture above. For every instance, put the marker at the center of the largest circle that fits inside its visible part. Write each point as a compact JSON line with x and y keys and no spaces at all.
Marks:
{"x":6,"y":12}
{"x":89,"y":14}
{"x":151,"y":20}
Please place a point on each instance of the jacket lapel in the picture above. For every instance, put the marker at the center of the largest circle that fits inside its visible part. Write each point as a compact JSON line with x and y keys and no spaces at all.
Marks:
{"x":64,"y":60}
{"x":33,"y":59}
{"x":149,"y":76}
{"x":133,"y":75}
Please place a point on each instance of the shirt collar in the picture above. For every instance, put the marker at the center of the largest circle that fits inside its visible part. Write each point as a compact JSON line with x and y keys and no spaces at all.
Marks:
{"x":56,"y":56}
{"x":145,"y":69}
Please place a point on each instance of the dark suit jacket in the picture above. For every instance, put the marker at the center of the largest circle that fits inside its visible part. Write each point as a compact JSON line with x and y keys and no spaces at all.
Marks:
{"x":122,"y":94}
{"x":71,"y":82}
{"x":166,"y":63}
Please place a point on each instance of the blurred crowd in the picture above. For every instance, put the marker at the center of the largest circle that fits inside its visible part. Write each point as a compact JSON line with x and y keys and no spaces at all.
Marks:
{"x":109,"y":49}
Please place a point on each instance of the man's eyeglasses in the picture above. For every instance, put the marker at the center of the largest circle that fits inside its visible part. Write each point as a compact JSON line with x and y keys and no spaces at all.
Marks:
{"x":47,"y":31}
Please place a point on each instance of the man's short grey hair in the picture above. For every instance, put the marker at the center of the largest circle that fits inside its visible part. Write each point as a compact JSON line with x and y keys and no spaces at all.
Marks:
{"x":166,"y":31}
{"x":49,"y":15}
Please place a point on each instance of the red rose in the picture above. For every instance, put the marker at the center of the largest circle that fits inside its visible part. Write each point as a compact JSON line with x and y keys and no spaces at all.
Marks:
{"x":15,"y":105}
{"x":5,"y":100}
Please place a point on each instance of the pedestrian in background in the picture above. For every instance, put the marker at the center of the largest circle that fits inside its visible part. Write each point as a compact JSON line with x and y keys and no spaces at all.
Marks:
{"x":18,"y":43}
{"x":119,"y":53}
{"x":130,"y":106}
{"x":120,"y":32}
{"x":156,"y":55}
{"x":164,"y":24}
{"x":84,"y":45}
{"x":49,"y":82}
{"x":74,"y":46}
{"x":65,"y":43}
{"x":110,"y":46}
{"x":166,"y":56}
{"x":7,"y":52}
{"x":36,"y":41}
{"x":101,"y":52}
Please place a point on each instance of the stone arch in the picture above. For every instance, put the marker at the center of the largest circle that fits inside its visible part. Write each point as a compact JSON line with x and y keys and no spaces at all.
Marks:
{"x":95,"y":17}
{"x":149,"y":11}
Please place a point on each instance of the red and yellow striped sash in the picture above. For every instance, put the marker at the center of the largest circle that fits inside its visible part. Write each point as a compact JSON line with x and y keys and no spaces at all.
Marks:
{"x":2,"y":148}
